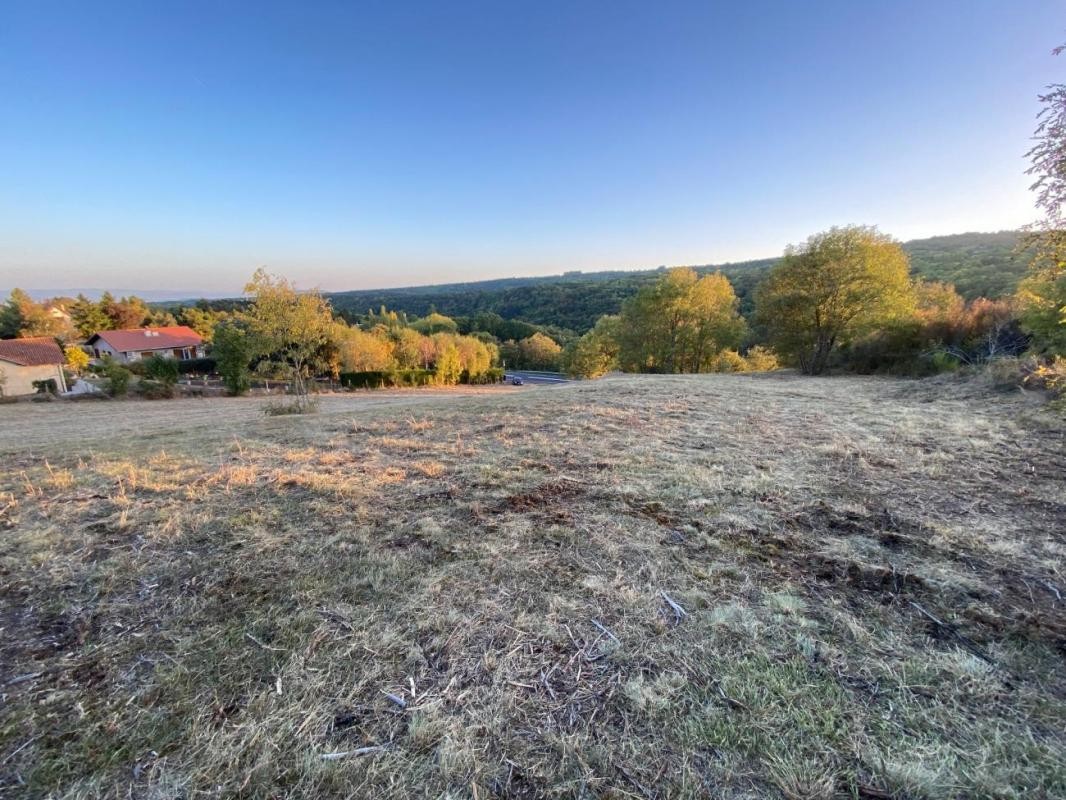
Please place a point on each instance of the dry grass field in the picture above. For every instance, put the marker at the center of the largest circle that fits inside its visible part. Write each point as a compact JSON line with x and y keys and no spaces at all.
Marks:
{"x":643,"y":587}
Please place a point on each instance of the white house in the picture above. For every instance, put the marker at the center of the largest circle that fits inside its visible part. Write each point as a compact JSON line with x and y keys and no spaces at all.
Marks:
{"x":133,"y":344}
{"x":24,"y":361}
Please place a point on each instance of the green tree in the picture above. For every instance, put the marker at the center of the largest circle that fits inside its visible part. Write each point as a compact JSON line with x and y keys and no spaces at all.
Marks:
{"x":291,"y":330}
{"x":88,"y":317}
{"x":118,"y":378}
{"x":202,"y":320}
{"x":680,"y":323}
{"x":596,"y":353}
{"x":232,"y":348}
{"x":1042,"y":294}
{"x":162,"y":369}
{"x":435,"y":323}
{"x":837,"y":286}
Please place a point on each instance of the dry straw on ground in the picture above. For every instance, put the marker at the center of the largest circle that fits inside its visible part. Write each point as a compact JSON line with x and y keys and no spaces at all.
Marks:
{"x":726,"y":586}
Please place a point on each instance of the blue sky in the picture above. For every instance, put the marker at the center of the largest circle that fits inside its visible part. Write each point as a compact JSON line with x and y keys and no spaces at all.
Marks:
{"x":152,"y":145}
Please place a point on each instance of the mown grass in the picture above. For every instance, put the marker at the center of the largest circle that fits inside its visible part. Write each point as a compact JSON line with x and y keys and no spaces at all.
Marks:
{"x":225,"y":617}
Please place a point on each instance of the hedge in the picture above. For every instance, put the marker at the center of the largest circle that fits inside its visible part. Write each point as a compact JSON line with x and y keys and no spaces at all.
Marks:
{"x":378,"y":379}
{"x":493,"y":375}
{"x":200,"y":366}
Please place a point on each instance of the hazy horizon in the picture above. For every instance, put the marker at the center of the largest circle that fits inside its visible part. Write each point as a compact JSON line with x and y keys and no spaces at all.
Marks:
{"x":381,"y":146}
{"x":167,"y":294}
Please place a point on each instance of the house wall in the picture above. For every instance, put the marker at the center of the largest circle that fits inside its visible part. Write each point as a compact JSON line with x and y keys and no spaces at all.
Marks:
{"x":102,"y":348}
{"x":18,"y":380}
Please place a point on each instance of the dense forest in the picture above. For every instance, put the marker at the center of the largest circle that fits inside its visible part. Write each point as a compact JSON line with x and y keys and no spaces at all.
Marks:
{"x":979,"y":264}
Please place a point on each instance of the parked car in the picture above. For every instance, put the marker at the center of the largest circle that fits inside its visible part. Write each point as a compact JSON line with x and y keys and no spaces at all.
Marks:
{"x":516,"y":381}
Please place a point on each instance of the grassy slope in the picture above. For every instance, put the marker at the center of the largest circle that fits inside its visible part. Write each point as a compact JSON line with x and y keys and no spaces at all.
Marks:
{"x":213,"y":619}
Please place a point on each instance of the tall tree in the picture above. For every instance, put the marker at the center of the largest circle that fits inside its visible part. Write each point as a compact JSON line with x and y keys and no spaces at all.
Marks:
{"x":540,"y":352}
{"x":838,"y":285}
{"x":291,"y":330}
{"x":22,"y":316}
{"x":595,"y":353}
{"x":88,"y":317}
{"x":1042,"y":294}
{"x":679,"y":324}
{"x":232,"y":348}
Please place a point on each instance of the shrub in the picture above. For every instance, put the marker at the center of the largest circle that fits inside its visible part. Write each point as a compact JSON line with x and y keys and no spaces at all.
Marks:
{"x":367,"y":379}
{"x":379,"y":379}
{"x":151,"y":389}
{"x":281,"y":408}
{"x":491,"y":375}
{"x":761,"y":359}
{"x":729,"y":361}
{"x":47,"y":386}
{"x":117,"y":377}
{"x":162,"y":370}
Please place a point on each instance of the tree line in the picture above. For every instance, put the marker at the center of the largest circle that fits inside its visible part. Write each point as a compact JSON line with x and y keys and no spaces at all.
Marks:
{"x":846,"y":298}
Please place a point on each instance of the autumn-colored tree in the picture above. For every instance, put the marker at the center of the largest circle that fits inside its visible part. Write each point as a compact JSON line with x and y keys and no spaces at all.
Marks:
{"x":129,"y":312}
{"x":540,"y":352}
{"x":435,"y":323}
{"x":291,"y":331}
{"x":837,"y":286}
{"x":407,"y":348}
{"x":448,"y":366}
{"x":595,"y":353}
{"x":679,"y":324}
{"x":22,"y":316}
{"x":76,"y":358}
{"x":475,"y":356}
{"x":361,"y":351}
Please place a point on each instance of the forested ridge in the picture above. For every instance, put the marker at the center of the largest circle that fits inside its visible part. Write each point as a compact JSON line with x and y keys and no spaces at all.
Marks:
{"x":979,"y":264}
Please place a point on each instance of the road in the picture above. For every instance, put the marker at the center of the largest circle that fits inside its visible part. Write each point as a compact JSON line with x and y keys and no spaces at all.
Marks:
{"x":537,"y":377}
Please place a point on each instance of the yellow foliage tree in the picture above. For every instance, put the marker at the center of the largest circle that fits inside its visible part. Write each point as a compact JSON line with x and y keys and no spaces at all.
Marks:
{"x":835,"y":287}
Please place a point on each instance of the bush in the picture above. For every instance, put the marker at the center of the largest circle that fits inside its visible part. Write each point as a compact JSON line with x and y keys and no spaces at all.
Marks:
{"x":363,"y":380}
{"x":155,"y":390}
{"x":379,"y":379}
{"x":47,"y":386}
{"x":761,"y":359}
{"x":281,"y":408}
{"x":491,"y":375}
{"x":729,"y":361}
{"x":117,"y":377}
{"x":138,"y":368}
{"x":162,"y":370}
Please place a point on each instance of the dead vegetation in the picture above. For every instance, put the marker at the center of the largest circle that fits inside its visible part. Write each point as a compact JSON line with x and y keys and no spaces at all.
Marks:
{"x":726,"y":586}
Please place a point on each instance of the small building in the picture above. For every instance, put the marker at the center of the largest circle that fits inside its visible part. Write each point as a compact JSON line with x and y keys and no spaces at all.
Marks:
{"x":134,"y":344}
{"x":24,"y":362}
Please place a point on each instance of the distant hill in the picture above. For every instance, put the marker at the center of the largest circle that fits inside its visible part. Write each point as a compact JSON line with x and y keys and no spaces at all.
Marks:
{"x":979,"y":264}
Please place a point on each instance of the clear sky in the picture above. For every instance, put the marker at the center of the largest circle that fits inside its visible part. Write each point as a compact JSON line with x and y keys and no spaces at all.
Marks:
{"x":156,"y":145}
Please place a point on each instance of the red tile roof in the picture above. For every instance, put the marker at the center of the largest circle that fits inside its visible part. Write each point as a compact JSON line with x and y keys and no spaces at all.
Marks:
{"x":136,"y":339}
{"x":31,"y":352}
